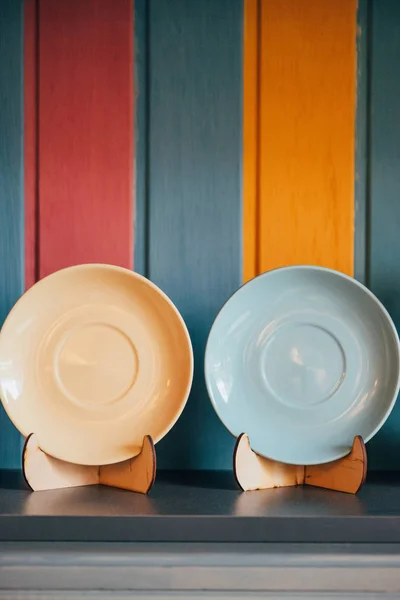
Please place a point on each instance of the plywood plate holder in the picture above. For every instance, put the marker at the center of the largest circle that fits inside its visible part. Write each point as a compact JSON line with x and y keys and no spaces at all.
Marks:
{"x":254,"y":472}
{"x":44,"y":472}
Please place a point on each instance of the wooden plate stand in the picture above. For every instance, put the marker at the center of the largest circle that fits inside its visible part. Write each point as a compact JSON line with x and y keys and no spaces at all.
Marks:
{"x":43,"y":472}
{"x":254,"y":472}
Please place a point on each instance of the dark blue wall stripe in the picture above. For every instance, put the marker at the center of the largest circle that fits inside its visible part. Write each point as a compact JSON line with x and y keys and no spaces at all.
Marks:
{"x":194,"y":191}
{"x":141,"y":40}
{"x":361,"y":235}
{"x":11,"y":189}
{"x":384,"y":226}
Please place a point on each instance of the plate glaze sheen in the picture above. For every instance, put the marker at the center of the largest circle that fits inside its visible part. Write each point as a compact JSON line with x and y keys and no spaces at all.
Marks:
{"x":92,"y":358}
{"x":302,"y":359}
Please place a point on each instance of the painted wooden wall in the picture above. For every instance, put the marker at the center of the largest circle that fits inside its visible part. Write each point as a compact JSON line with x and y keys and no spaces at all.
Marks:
{"x":11,"y":187}
{"x":381,"y":199}
{"x":67,"y":140}
{"x":190,"y":205}
{"x":321,"y":148}
{"x":300,"y":65}
{"x":80,"y":111}
{"x":308,"y":197}
{"x":204,"y":208}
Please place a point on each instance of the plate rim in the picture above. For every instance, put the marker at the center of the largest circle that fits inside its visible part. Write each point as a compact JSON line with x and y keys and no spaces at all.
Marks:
{"x":157,"y":289}
{"x":358,"y":284}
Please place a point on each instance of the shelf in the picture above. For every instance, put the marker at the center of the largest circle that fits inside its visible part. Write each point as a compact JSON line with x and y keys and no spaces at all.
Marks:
{"x":201,"y":507}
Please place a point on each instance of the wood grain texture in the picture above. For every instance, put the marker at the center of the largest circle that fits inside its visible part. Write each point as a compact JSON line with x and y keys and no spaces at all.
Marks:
{"x":44,"y":472}
{"x":85,"y":133}
{"x":251,"y":106}
{"x":254,"y":472}
{"x":142,"y":124}
{"x":195,"y":156}
{"x":384,"y":210}
{"x":136,"y":474}
{"x":344,"y":475}
{"x":306,"y":128}
{"x":362,"y":143}
{"x":30,"y":140}
{"x":11,"y":189}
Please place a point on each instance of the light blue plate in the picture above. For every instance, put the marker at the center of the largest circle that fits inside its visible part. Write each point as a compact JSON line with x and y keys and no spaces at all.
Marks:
{"x":302,"y":359}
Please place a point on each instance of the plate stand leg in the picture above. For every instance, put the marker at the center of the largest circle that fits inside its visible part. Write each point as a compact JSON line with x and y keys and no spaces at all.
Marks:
{"x":344,"y":475}
{"x":44,"y":472}
{"x":254,"y":472}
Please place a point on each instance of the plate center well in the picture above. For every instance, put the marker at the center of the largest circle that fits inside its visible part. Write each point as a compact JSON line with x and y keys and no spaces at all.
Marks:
{"x":95,"y":364}
{"x":303,"y":365}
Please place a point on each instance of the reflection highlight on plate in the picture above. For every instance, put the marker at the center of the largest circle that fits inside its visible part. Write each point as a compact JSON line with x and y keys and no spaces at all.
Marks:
{"x":106,"y":360}
{"x":314,"y":363}
{"x":313,"y":360}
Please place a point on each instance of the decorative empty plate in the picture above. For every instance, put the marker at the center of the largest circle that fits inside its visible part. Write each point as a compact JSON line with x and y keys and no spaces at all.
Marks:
{"x":92,"y":358}
{"x":302,"y":359}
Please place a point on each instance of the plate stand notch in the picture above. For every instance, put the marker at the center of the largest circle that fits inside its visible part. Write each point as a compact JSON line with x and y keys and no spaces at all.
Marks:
{"x":254,"y":472}
{"x":44,"y":472}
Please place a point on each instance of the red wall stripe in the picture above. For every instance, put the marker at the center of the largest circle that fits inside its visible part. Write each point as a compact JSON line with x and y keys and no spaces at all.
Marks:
{"x":85,"y":134}
{"x":30,"y":139}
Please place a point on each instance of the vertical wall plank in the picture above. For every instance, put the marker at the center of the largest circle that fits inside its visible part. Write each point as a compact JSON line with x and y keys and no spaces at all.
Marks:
{"x":307,"y":113}
{"x":362,"y":142}
{"x":11,"y":189}
{"x":30,"y":141}
{"x":251,"y":116}
{"x":384,"y":449}
{"x":306,"y":128}
{"x":195,"y":155}
{"x":85,"y":133}
{"x":141,"y":39}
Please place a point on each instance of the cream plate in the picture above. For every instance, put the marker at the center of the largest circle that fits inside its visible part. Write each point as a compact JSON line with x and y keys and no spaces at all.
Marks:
{"x":92,"y":358}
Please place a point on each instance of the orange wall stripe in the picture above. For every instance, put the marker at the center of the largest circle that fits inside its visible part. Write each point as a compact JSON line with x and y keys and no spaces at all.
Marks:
{"x":306,"y":126}
{"x":250,"y":136}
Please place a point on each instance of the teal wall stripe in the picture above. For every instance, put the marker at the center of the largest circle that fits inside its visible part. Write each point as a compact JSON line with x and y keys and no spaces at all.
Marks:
{"x":384,"y":225}
{"x":141,"y":41}
{"x":361,"y":234}
{"x":11,"y":189}
{"x":194,"y":191}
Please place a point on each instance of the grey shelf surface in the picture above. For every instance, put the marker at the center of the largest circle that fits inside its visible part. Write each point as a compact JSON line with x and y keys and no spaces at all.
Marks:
{"x":201,"y":507}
